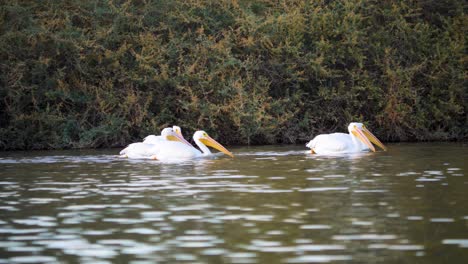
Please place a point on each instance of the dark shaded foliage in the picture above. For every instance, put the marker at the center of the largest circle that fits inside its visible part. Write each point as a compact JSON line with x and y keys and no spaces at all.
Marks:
{"x":105,"y":73}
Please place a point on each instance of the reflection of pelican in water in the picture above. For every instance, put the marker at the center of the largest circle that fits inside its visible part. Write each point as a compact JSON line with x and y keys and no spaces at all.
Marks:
{"x":171,"y":150}
{"x":145,"y":150}
{"x":358,"y":140}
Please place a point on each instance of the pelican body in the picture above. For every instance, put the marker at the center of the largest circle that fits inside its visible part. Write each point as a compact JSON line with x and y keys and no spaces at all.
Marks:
{"x":152,"y":144}
{"x":358,"y":140}
{"x":172,"y":146}
{"x":173,"y":150}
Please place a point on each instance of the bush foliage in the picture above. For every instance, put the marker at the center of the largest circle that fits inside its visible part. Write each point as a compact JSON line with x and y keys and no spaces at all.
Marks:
{"x":106,"y":73}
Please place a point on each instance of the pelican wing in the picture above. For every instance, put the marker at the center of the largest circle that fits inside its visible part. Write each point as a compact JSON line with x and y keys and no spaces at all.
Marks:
{"x":138,"y":150}
{"x":152,"y":139}
{"x":331,"y":143}
{"x":173,"y":150}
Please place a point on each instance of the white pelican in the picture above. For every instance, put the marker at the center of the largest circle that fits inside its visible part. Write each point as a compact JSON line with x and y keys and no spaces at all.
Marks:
{"x":359,"y":139}
{"x":142,"y":150}
{"x":152,"y":139}
{"x":172,"y":150}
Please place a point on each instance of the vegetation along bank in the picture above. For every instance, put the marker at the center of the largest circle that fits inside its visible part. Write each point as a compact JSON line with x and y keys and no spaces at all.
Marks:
{"x":79,"y":74}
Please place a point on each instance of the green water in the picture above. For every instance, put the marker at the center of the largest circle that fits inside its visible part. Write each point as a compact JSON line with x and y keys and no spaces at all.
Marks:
{"x":270,"y":204}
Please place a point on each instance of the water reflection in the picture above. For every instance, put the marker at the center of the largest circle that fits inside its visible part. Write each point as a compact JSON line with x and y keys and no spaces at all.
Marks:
{"x":268,"y":205}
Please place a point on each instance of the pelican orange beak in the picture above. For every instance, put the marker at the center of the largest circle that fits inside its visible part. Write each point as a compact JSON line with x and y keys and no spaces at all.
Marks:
{"x":177,"y":137}
{"x":367,"y":137}
{"x":214,"y":144}
{"x":373,"y":138}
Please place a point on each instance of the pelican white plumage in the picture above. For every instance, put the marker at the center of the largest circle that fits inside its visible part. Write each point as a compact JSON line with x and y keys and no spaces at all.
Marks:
{"x":153,"y":139}
{"x":145,"y":150}
{"x":173,"y":150}
{"x":358,"y":140}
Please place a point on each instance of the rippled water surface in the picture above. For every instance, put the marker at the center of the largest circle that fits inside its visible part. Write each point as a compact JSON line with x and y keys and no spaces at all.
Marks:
{"x":267,"y":205}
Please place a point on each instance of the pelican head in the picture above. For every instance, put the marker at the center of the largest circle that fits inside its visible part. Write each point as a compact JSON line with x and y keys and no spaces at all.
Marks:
{"x":166,"y":131}
{"x":202,"y":136}
{"x":153,"y":139}
{"x":365,"y":136}
{"x":169,"y":134}
{"x":178,"y":130}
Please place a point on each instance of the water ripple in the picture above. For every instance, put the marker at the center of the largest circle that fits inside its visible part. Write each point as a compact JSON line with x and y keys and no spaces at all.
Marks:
{"x":463,"y":243}
{"x":324,"y":189}
{"x":319,"y":258}
{"x":268,"y":204}
{"x":364,"y":237}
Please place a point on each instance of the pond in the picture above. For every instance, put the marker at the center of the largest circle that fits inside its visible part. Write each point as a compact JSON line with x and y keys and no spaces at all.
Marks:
{"x":270,"y":204}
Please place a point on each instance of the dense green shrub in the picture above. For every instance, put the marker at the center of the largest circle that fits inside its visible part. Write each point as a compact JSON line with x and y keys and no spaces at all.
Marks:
{"x":105,"y":73}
